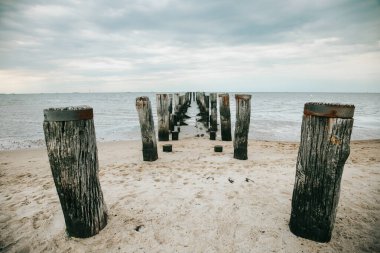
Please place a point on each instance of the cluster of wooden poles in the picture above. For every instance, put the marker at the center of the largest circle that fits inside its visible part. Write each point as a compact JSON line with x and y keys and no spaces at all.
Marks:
{"x":324,"y":148}
{"x":171,"y":113}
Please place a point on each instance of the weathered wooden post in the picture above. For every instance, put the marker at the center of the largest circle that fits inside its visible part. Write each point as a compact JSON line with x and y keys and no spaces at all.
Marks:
{"x":218,"y":148}
{"x":243,"y":116}
{"x":167,"y":148}
{"x":163,"y":116}
{"x":207,"y":110}
{"x":71,"y":147}
{"x":214,"y":112}
{"x":171,"y":103}
{"x":225,"y":116}
{"x":176,"y":105}
{"x":149,"y":143}
{"x":324,"y":149}
{"x":212,"y":135}
{"x":174,"y":135}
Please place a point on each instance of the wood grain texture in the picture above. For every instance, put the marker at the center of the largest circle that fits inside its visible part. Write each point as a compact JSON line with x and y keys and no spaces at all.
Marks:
{"x":243,"y":116}
{"x":73,"y":158}
{"x":225,"y":116}
{"x":148,"y":136}
{"x":214,"y":112}
{"x":323,"y":151}
{"x":163,"y":104}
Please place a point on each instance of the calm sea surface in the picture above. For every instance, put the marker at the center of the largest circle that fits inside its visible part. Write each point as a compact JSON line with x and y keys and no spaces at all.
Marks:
{"x":274,"y":116}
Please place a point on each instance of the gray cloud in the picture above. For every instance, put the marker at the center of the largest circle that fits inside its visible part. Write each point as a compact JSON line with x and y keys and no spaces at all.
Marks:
{"x":136,"y":44}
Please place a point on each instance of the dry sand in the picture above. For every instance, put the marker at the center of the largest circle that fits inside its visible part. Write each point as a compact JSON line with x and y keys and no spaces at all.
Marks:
{"x":184,"y":201}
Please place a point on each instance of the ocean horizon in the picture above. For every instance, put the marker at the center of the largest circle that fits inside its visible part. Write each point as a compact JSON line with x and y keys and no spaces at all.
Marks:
{"x":275,"y":116}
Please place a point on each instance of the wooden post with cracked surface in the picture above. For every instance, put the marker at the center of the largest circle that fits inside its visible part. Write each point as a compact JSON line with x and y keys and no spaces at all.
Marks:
{"x":163,"y":104}
{"x":214,"y":112}
{"x":148,"y":136}
{"x":324,"y":149}
{"x":243,"y":117}
{"x":73,"y":156}
{"x":225,"y":116}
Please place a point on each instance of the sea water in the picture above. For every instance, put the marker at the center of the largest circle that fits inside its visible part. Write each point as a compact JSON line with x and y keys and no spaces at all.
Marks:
{"x":274,"y":116}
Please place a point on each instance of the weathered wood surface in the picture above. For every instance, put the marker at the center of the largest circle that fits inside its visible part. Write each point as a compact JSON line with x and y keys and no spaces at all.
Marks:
{"x":176,"y":105}
{"x":72,"y":151}
{"x":163,"y":104}
{"x":243,"y":116}
{"x":167,"y":148}
{"x":174,"y":136}
{"x":214,"y":112}
{"x":218,"y":148}
{"x":148,"y":135}
{"x":225,"y":116}
{"x":212,"y":135}
{"x":207,"y":111}
{"x":171,"y":103}
{"x":323,"y":151}
{"x":172,"y":122}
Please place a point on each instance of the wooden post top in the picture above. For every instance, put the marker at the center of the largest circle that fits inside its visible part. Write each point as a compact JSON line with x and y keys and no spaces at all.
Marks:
{"x":71,"y":113}
{"x":328,"y":110}
{"x":243,"y":96}
{"x":142,"y":102}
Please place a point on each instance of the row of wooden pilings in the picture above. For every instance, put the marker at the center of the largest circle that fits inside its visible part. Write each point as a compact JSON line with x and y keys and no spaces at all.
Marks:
{"x":324,"y":148}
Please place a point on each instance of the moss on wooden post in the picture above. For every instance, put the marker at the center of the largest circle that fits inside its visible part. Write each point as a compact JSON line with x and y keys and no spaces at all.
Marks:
{"x":149,"y":143}
{"x":324,"y":149}
{"x":225,"y":116}
{"x":243,"y":116}
{"x":71,"y":147}
{"x":163,"y":118}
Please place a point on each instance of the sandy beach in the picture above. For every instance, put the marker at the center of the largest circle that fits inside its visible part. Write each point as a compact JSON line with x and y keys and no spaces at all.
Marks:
{"x":191,"y":200}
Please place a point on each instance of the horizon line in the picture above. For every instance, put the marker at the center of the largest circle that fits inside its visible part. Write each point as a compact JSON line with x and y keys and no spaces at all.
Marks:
{"x":102,"y":92}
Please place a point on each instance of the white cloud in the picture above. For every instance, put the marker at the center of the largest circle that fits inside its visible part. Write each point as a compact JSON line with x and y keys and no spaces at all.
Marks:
{"x":135,"y":45}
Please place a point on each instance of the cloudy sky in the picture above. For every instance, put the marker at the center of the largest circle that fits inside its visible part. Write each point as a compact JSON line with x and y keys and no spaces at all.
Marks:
{"x":179,"y":45}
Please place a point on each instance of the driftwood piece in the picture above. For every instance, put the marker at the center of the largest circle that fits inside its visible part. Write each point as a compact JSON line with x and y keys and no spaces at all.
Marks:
{"x":71,"y":147}
{"x":148,"y":136}
{"x":163,"y":104}
{"x":324,"y":149}
{"x":214,"y":112}
{"x":225,"y":116}
{"x":243,"y":116}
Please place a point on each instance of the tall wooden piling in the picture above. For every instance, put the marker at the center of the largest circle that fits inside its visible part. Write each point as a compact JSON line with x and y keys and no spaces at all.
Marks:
{"x":163,"y":105}
{"x":324,"y":149}
{"x":207,"y":108}
{"x":71,"y":147}
{"x":148,"y":136}
{"x":176,"y":105}
{"x":243,"y":116}
{"x":225,"y":116}
{"x":214,"y":112}
{"x":170,"y":103}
